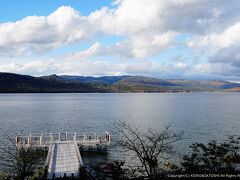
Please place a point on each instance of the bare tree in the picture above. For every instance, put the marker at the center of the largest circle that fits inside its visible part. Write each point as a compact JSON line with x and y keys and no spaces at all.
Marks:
{"x":18,"y":161}
{"x":149,"y":146}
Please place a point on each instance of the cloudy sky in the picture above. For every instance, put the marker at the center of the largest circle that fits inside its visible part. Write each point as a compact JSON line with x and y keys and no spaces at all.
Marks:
{"x":194,"y":39}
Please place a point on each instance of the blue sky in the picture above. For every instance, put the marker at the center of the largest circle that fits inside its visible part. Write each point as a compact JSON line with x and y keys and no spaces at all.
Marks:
{"x":165,"y":39}
{"x":13,"y":10}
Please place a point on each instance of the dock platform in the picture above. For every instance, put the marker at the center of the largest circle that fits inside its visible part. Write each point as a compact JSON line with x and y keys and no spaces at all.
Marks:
{"x":64,"y":161}
{"x":64,"y":158}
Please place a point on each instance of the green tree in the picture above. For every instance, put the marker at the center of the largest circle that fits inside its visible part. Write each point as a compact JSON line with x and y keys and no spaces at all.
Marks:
{"x":213,"y":157}
{"x":114,"y":169}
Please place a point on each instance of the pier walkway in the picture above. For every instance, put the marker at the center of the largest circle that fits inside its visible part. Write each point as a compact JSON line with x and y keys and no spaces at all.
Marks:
{"x":64,"y":158}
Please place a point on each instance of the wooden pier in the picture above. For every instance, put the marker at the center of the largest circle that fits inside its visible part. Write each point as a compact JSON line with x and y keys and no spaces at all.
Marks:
{"x":64,"y":158}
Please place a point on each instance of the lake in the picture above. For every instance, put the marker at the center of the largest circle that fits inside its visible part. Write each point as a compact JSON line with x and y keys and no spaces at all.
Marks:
{"x":202,"y":116}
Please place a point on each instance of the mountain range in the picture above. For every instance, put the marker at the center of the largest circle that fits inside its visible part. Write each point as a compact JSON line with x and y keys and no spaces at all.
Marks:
{"x":16,"y":83}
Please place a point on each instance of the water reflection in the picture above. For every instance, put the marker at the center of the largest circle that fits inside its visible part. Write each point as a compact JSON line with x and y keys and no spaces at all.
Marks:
{"x":202,"y":116}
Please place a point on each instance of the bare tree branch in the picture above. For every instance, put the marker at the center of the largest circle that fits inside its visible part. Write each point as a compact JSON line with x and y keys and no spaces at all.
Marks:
{"x":17,"y":160}
{"x":148,"y":146}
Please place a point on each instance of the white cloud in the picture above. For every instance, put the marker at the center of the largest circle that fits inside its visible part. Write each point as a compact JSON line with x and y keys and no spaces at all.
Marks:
{"x":228,"y":37}
{"x":133,"y":19}
{"x":88,"y":67}
{"x":145,"y":27}
{"x":198,"y":16}
{"x":128,"y":17}
{"x":34,"y":67}
{"x":97,"y":49}
{"x":226,"y":47}
{"x":144,"y":45}
{"x":151,"y":25}
{"x":43,"y":33}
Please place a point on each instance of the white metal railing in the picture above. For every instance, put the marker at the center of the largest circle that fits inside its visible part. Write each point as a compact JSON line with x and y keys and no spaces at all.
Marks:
{"x":78,"y":154}
{"x":49,"y":155}
{"x":45,"y":139}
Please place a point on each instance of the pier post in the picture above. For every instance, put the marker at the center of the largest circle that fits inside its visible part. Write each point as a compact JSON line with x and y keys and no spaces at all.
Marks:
{"x":84,"y":136}
{"x":41,"y":139}
{"x":30,"y":139}
{"x":107,"y":137}
{"x":17,"y":139}
{"x":51,"y":137}
{"x":75,"y":136}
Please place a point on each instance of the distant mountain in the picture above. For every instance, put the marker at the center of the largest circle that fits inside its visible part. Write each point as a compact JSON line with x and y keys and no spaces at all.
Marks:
{"x":15,"y":83}
{"x":94,"y":80}
{"x":155,"y":85}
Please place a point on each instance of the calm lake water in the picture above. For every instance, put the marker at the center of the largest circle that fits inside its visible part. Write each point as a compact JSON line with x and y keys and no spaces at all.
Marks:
{"x":202,"y":116}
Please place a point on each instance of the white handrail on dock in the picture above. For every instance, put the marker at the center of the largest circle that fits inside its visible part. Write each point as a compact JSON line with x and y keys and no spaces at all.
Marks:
{"x":45,"y":139}
{"x":79,"y":155}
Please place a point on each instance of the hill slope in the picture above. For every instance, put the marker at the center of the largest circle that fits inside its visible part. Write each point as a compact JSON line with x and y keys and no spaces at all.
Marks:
{"x":14,"y":83}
